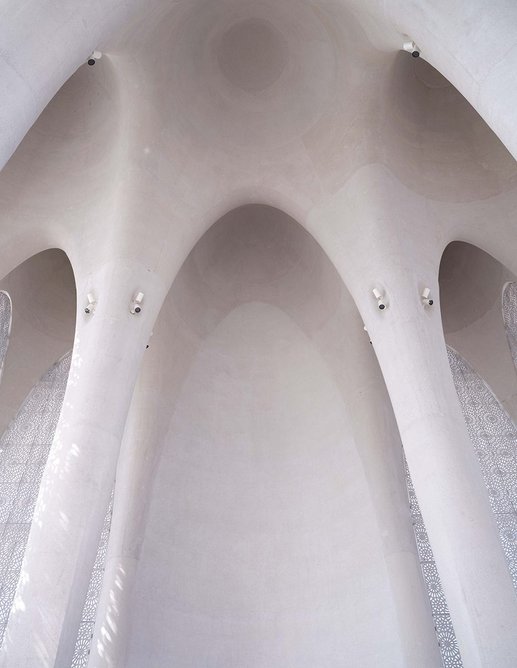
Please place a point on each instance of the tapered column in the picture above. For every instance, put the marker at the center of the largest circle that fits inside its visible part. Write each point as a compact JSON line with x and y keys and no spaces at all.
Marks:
{"x":408,"y":340}
{"x":166,"y":364}
{"x":134,"y":479}
{"x":379,"y":447}
{"x":381,"y":453}
{"x":378,"y":444}
{"x":79,"y":475}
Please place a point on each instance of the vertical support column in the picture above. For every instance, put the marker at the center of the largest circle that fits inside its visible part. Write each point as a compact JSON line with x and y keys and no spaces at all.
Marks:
{"x":166,"y":363}
{"x":379,"y":447}
{"x":135,"y":472}
{"x":79,"y":475}
{"x":409,"y":343}
{"x":381,"y":452}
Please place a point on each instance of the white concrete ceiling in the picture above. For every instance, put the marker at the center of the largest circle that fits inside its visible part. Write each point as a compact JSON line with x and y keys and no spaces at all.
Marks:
{"x":198,"y":107}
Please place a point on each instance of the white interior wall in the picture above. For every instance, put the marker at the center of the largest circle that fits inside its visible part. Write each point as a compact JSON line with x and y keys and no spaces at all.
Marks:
{"x":268,"y":553}
{"x":369,"y":149}
{"x":266,"y":480}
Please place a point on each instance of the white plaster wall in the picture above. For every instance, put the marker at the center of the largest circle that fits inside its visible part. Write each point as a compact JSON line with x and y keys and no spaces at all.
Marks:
{"x":278,"y":524}
{"x":261,"y":548}
{"x":133,"y":160}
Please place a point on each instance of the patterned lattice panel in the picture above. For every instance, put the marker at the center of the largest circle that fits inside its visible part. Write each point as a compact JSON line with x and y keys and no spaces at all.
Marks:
{"x":5,"y":326}
{"x":510,"y":317}
{"x":445,"y":635}
{"x":87,"y":625}
{"x":24,"y":449}
{"x":494,"y":438}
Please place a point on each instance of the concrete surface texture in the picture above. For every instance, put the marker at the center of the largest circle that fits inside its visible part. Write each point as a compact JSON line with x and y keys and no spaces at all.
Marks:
{"x":249,"y":172}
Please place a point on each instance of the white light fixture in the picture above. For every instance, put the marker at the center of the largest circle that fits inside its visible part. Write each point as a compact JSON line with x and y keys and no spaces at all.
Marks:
{"x":90,"y":306}
{"x":411,"y":48}
{"x":381,"y":302}
{"x":95,"y":56}
{"x":136,"y":305}
{"x":426,"y":297}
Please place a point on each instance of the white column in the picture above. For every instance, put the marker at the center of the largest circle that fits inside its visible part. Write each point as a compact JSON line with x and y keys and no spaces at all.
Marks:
{"x":135,"y":473}
{"x":166,"y":363}
{"x":378,"y":444}
{"x":379,"y":447}
{"x":381,"y":452}
{"x":79,"y":475}
{"x":408,"y":340}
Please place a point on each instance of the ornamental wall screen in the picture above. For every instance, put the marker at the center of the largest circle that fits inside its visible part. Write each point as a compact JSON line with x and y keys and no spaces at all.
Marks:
{"x":25,"y":445}
{"x":24,"y":450}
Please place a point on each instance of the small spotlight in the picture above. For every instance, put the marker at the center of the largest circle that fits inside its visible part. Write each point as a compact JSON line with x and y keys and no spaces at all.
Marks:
{"x":96,"y":55}
{"x":426,"y":297}
{"x":136,"y":304}
{"x":90,"y":306}
{"x":381,"y":303}
{"x":411,"y":48}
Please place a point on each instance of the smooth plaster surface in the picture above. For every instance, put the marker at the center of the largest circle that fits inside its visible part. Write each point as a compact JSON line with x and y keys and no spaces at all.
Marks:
{"x":380,"y":157}
{"x":269,"y":508}
{"x":261,"y":467}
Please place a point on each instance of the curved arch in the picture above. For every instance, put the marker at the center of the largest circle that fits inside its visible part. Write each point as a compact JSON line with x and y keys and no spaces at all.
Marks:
{"x":63,"y":41}
{"x":276,"y":245}
{"x":64,"y":173}
{"x":499,"y":247}
{"x":255,"y":265}
{"x":435,"y":142}
{"x":266,"y":196}
{"x":44,"y":291}
{"x":471,"y":60}
{"x":471,"y":281}
{"x":243,"y":199}
{"x":451,"y":53}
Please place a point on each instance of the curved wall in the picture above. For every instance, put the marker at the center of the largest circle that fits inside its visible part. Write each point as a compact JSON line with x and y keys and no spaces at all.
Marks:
{"x":262,"y":545}
{"x":260,"y":523}
{"x":373,"y":151}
